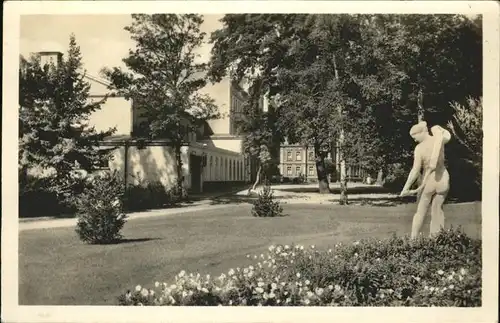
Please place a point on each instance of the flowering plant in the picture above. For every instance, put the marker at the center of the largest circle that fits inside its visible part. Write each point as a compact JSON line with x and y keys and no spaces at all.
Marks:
{"x":442,"y":271}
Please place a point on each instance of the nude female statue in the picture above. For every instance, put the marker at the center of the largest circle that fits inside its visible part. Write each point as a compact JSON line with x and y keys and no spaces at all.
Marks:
{"x":429,"y":155}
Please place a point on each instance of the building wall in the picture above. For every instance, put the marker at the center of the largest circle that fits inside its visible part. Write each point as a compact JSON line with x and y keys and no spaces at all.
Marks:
{"x":114,"y":112}
{"x":296,"y":160}
{"x":156,"y":162}
{"x":220,"y":92}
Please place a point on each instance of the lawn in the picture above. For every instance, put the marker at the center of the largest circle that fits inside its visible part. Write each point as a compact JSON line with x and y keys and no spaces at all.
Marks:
{"x":55,"y":268}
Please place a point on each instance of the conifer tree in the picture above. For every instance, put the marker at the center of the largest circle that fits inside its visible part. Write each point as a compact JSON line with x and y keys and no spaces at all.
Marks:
{"x":54,"y":133}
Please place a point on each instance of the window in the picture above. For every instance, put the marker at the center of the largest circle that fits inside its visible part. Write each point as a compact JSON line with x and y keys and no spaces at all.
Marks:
{"x":298,"y":170}
{"x":298,"y":155}
{"x":289,"y":170}
{"x":289,"y":155}
{"x":311,"y":170}
{"x":311,"y":155}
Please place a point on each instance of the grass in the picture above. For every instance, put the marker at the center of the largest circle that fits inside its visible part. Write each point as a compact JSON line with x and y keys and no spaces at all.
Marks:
{"x":55,"y":268}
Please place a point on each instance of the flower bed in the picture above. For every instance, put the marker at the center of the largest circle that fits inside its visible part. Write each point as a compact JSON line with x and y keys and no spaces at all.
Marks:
{"x":442,"y":271}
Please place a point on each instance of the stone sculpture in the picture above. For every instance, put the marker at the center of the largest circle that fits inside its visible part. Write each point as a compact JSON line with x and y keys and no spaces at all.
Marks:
{"x":434,"y":187}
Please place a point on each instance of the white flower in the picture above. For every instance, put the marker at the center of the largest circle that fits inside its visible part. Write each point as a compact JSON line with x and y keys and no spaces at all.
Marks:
{"x":274,"y":286}
{"x":440,"y":272}
{"x":157,"y":284}
{"x":287,"y":247}
{"x":208,"y":277}
{"x":144,"y":292}
{"x":382,"y":296}
{"x":307,"y":301}
{"x":204,"y":290}
{"x":301,"y":248}
{"x":319,"y":291}
{"x":450,"y":277}
{"x":251,"y":268}
{"x":330,"y":287}
{"x":138,"y":288}
{"x":463,"y":271}
{"x":329,"y":250}
{"x":245,"y":270}
{"x":356,"y":243}
{"x":312,"y":246}
{"x":271,"y":248}
{"x":298,"y":275}
{"x":307,"y":282}
{"x":260,"y":284}
{"x":248,"y":256}
{"x":182,"y":274}
{"x":259,"y":290}
{"x":231,"y":272}
{"x":451,"y":286}
{"x":255,"y":257}
{"x":284,"y":254}
{"x":271,"y":295}
{"x":262,"y":256}
{"x":337,"y":288}
{"x":282,"y":283}
{"x":355,"y":254}
{"x":288,"y":300}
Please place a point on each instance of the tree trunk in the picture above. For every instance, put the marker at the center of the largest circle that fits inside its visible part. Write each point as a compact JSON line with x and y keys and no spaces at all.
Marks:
{"x":343,"y":172}
{"x":420,"y":109}
{"x":180,"y":176}
{"x":257,"y":179}
{"x":380,"y":177}
{"x":343,"y":187}
{"x":324,"y":187}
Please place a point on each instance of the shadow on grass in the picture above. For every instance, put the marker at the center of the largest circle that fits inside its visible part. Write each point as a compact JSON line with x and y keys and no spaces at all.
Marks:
{"x":381,"y":201}
{"x":233,"y":199}
{"x":336,"y":190}
{"x":136,"y":240}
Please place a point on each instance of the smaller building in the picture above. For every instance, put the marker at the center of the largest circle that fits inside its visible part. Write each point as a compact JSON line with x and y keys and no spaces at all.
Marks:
{"x":299,"y":161}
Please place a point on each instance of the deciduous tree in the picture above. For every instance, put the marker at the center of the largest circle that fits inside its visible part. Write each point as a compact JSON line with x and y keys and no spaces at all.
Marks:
{"x":164,"y":77}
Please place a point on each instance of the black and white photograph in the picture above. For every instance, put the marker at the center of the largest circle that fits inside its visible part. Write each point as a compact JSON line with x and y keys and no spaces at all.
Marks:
{"x":193,"y":158}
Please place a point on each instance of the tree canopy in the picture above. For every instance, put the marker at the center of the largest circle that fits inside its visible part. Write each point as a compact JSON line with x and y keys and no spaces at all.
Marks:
{"x":362,"y":74}
{"x":54,"y":133}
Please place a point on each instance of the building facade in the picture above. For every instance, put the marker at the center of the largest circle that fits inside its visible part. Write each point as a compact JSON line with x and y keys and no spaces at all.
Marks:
{"x":212,"y":157}
{"x":297,"y":161}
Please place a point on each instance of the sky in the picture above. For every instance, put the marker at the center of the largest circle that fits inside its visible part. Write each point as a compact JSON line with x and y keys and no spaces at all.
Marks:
{"x":102,"y":38}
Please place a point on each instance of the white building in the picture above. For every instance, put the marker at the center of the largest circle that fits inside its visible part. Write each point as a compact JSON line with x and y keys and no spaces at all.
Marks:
{"x":211,"y":158}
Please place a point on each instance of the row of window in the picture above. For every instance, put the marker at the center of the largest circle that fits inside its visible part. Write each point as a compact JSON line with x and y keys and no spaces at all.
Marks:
{"x":311,"y":171}
{"x":220,"y":168}
{"x":298,"y":155}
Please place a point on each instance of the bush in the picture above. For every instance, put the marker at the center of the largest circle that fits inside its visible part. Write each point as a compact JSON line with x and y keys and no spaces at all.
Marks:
{"x":100,"y":210}
{"x":148,"y":196}
{"x":396,"y":177}
{"x":37,"y":199}
{"x":266,"y":206}
{"x":440,"y":271}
